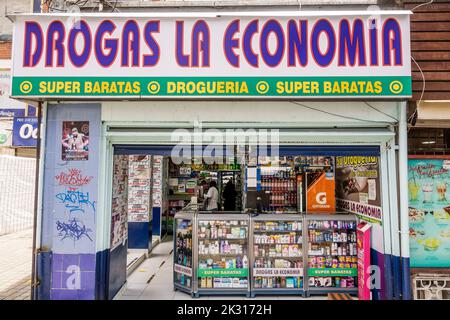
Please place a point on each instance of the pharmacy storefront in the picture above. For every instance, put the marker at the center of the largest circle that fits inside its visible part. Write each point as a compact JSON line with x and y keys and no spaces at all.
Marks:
{"x":297,"y":119}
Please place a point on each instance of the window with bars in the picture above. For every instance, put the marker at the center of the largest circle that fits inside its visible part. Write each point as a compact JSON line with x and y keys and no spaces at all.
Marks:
{"x":429,"y":141}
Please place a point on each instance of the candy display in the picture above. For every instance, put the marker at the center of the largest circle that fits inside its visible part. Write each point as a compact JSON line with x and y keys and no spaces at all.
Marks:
{"x":332,"y":253}
{"x":278,"y":255}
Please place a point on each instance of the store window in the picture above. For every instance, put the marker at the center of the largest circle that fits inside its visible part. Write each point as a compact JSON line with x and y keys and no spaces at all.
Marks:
{"x":429,"y":141}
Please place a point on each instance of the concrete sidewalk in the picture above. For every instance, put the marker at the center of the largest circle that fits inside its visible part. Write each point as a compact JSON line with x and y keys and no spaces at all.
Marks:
{"x":15,"y":265}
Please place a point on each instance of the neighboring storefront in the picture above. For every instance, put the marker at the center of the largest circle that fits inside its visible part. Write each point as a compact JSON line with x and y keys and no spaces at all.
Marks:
{"x":139,"y":85}
{"x":428,"y":147}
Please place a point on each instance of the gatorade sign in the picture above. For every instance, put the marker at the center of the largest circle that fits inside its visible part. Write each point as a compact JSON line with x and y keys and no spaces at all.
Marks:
{"x":320,"y":197}
{"x":25,"y":132}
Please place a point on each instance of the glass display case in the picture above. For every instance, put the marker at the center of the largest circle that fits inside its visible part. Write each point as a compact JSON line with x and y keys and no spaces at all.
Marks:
{"x":278,"y":258}
{"x":184,"y":253}
{"x":223,"y":254}
{"x":332,"y":253}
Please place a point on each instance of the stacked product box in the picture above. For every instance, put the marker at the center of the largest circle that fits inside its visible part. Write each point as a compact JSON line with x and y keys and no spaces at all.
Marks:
{"x":139,"y":180}
{"x":332,"y":254}
{"x":278,"y":255}
{"x":119,"y":206}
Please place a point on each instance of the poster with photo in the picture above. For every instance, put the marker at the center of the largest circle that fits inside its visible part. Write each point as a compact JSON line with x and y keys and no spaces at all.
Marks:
{"x":429,"y":212}
{"x":75,"y":141}
{"x":358,"y":186}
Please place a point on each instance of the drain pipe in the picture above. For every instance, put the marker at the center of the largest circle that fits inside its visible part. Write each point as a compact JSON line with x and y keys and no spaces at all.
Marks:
{"x":34,"y":279}
{"x":403,"y":188}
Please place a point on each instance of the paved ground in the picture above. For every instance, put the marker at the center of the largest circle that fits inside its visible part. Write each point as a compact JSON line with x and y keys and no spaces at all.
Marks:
{"x":15,"y":265}
{"x":153,"y":280}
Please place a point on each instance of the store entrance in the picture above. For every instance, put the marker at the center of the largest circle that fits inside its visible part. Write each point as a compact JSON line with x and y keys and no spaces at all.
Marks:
{"x":287,"y":213}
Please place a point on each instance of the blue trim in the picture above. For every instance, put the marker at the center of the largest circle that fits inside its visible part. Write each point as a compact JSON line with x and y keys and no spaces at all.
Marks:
{"x":322,"y":150}
{"x":102,"y":274}
{"x":325,"y":150}
{"x":258,"y":179}
{"x":406,"y":279}
{"x":139,"y":235}
{"x":383,"y":262}
{"x":397,"y":284}
{"x":43,"y":272}
{"x":117,"y":269}
{"x":388,"y":277}
{"x":156,"y":223}
{"x":160,"y":150}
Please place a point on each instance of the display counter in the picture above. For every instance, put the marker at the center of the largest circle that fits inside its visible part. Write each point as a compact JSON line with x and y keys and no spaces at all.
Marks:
{"x":241,"y":254}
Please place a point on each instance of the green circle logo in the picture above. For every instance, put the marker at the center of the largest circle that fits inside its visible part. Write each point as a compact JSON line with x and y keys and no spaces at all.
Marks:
{"x":26,"y":87}
{"x":396,"y":87}
{"x":262,"y":87}
{"x":153,"y":87}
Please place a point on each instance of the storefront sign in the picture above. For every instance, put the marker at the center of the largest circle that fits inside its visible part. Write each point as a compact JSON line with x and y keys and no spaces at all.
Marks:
{"x":320,"y":192}
{"x":182,"y":270}
{"x":343,"y":272}
{"x":25,"y":132}
{"x":363,"y":243}
{"x":222,"y":273}
{"x":278,"y":272}
{"x":358,"y":187}
{"x":429,"y":212}
{"x":334,"y":54}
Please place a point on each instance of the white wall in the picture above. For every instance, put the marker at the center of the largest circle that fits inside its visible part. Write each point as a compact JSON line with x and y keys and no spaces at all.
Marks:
{"x":271,"y":112}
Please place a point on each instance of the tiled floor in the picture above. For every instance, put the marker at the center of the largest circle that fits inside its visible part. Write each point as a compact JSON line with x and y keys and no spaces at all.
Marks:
{"x":158,"y":268}
{"x":15,"y":265}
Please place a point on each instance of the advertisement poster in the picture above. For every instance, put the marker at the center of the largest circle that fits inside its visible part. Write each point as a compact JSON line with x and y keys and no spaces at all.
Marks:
{"x":429,"y":212}
{"x":363,"y":243}
{"x":75,"y":140}
{"x":358,"y":186}
{"x":320,"y":194}
{"x":139,"y":184}
{"x":25,"y":130}
{"x":119,"y":208}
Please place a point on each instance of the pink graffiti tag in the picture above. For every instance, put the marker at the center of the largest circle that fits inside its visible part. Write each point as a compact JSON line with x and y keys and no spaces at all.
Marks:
{"x":73,"y":178}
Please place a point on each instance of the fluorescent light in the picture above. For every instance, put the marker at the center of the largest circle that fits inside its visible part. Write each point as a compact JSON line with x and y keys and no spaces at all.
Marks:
{"x":429,"y":142}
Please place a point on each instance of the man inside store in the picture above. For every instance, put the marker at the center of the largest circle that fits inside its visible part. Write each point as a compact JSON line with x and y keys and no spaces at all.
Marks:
{"x":229,"y":195}
{"x":212,"y":197}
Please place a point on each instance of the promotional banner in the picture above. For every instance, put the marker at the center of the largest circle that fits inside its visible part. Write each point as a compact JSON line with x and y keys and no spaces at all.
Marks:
{"x":300,"y":54}
{"x":139,"y":184}
{"x":363,"y":243}
{"x":358,"y":186}
{"x":429,"y":212}
{"x":25,"y":132}
{"x":320,"y":192}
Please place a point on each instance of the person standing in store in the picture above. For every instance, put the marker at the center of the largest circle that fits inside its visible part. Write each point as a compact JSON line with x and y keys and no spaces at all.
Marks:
{"x":212,"y":197}
{"x":229,"y":195}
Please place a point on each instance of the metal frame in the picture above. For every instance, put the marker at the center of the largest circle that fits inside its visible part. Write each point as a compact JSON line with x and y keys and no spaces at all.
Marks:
{"x":278,"y":291}
{"x":207,"y":216}
{"x":186,"y":214}
{"x":323,"y":217}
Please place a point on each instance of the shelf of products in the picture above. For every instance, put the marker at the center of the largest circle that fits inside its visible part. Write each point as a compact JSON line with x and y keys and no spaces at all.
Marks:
{"x":277,"y":254}
{"x":281,"y":183}
{"x":183,"y":257}
{"x":332,"y":253}
{"x":223,"y":257}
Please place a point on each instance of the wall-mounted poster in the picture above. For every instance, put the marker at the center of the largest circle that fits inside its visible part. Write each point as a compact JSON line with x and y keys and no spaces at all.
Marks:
{"x":139,"y":184}
{"x":75,"y":140}
{"x":429,"y":212}
{"x":358,"y":186}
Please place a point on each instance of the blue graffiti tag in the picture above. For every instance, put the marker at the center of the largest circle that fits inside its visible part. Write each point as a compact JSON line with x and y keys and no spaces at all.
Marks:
{"x":73,"y":229}
{"x":75,"y":200}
